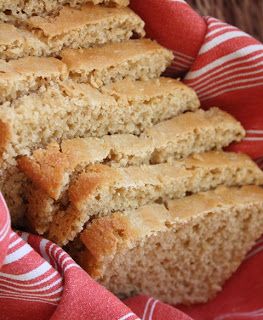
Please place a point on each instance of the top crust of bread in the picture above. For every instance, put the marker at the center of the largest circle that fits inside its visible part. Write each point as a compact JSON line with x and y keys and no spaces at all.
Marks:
{"x":29,"y":67}
{"x":86,"y":60}
{"x":70,"y":19}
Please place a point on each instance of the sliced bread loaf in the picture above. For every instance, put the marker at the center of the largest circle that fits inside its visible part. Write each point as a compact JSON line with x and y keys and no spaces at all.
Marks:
{"x":181,"y":253}
{"x":191,"y":132}
{"x":72,"y":110}
{"x":100,"y":190}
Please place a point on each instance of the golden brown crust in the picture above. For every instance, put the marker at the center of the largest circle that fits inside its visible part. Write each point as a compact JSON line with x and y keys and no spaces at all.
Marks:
{"x":87,"y":183}
{"x":70,"y":19}
{"x":112,"y":54}
{"x":5,"y":136}
{"x":128,"y":89}
{"x":29,"y":66}
{"x":48,"y":170}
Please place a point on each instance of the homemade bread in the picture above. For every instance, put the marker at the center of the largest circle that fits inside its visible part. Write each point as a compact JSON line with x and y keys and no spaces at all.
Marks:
{"x":191,"y":132}
{"x":179,"y":253}
{"x":72,"y":110}
{"x":85,"y":27}
{"x":100,"y":190}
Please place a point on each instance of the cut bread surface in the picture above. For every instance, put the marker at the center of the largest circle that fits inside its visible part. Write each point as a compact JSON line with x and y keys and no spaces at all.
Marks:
{"x":181,"y":253}
{"x":137,"y":60}
{"x":134,"y":59}
{"x":28,"y":8}
{"x":191,"y":132}
{"x":19,"y":77}
{"x":100,"y":190}
{"x":85,"y":27}
{"x":73,"y":110}
{"x":16,"y":43}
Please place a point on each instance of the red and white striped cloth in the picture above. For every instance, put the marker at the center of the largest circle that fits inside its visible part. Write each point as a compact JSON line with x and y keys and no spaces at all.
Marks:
{"x":38,"y":280}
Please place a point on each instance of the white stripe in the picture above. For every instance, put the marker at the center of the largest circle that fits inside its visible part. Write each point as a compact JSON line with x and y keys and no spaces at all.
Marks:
{"x":231,"y":86}
{"x":46,"y":288}
{"x":33,"y":295}
{"x":70,"y":266}
{"x":12,"y":234}
{"x":31,"y":299}
{"x":240,"y":314}
{"x":221,"y":74}
{"x":181,"y":1}
{"x":254,"y":252}
{"x":183,"y":55}
{"x":14,"y":243}
{"x":232,"y":89}
{"x":2,"y":231}
{"x":226,"y":27}
{"x":18,"y":254}
{"x":221,"y":39}
{"x":234,"y":55}
{"x":183,"y":59}
{"x":207,"y":78}
{"x":5,"y":231}
{"x":33,"y":274}
{"x":152,"y":309}
{"x":43,"y":252}
{"x":30,"y":284}
{"x":24,"y":236}
{"x":226,"y":81}
{"x":215,"y":23}
{"x":181,"y":65}
{"x":60,"y":256}
{"x":255,"y":131}
{"x":127,"y":316}
{"x":184,"y":64}
{"x":253,"y":139}
{"x":146,"y":308}
{"x":66,"y":260}
{"x":6,"y":215}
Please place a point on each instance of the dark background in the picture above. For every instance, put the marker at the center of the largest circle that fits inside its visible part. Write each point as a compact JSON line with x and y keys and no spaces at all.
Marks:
{"x":245,"y":14}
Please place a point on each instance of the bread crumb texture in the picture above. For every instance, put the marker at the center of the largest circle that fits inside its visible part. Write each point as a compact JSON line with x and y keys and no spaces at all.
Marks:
{"x":179,"y":253}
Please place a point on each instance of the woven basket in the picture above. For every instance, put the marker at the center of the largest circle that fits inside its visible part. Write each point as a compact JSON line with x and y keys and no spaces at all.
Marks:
{"x":245,"y":14}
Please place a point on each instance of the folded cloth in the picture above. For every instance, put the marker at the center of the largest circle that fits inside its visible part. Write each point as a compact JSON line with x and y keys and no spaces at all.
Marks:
{"x":38,"y":280}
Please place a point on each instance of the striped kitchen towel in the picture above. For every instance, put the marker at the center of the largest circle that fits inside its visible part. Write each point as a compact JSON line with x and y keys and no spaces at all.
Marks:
{"x":38,"y":280}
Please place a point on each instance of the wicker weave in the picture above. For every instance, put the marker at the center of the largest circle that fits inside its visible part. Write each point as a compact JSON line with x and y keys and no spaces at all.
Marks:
{"x":245,"y":14}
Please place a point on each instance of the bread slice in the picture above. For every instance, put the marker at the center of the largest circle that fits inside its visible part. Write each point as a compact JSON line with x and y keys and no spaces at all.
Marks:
{"x":85,"y":27}
{"x":138,"y":60}
{"x":28,"y":8}
{"x":134,"y":59}
{"x":101,"y":190}
{"x":73,"y":110}
{"x":181,"y":253}
{"x":192,"y":132}
{"x":17,"y":43}
{"x":19,"y":77}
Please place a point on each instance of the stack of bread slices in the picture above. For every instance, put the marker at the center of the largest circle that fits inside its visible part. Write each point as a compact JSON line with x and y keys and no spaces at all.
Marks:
{"x":101,"y":154}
